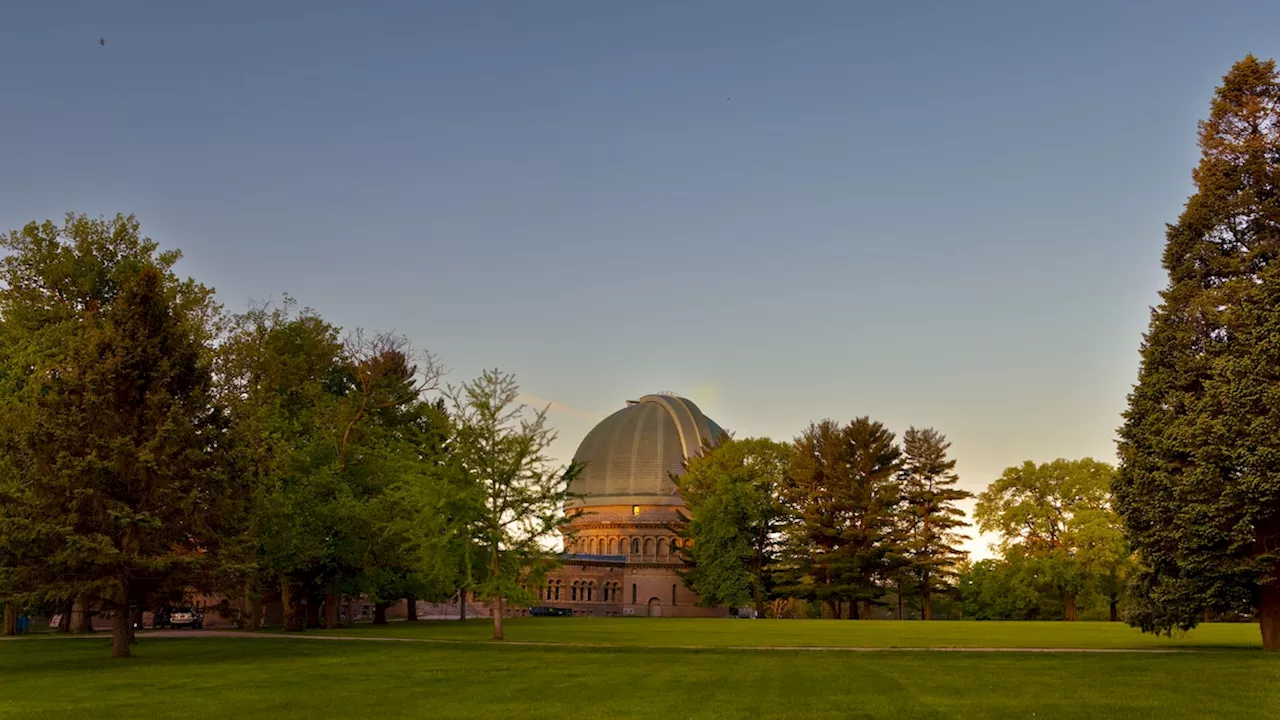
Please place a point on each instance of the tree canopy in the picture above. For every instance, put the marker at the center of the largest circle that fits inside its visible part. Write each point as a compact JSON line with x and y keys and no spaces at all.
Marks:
{"x":1199,"y":479}
{"x":732,"y":495}
{"x":1056,"y":519}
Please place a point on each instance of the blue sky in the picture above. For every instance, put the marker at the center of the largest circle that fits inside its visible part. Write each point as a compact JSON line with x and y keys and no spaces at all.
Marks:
{"x":933,"y":213}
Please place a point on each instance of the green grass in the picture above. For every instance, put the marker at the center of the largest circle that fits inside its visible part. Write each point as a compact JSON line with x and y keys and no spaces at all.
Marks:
{"x":721,"y":633}
{"x":268,"y":677}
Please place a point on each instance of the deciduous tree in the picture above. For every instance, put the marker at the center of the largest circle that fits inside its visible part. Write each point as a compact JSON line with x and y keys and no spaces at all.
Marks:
{"x":499,"y":451}
{"x":732,"y":495}
{"x":1056,"y":515}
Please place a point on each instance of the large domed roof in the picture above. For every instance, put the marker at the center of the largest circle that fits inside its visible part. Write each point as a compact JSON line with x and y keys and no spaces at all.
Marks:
{"x":629,"y":456}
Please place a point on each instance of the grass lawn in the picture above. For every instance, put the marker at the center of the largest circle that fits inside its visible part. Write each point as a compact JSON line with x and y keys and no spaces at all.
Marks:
{"x":722,"y":633}
{"x":288,"y":678}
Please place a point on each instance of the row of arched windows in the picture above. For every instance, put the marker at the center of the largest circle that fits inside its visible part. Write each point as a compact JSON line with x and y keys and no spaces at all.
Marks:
{"x":582,"y":591}
{"x":647,"y":546}
{"x":551,"y":591}
{"x":611,"y":590}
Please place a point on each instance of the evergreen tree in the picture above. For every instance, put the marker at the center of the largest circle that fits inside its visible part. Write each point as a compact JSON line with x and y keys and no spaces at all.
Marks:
{"x":1199,"y":480}
{"x":731,"y":491}
{"x":931,"y":517}
{"x":117,"y":482}
{"x":842,"y":490}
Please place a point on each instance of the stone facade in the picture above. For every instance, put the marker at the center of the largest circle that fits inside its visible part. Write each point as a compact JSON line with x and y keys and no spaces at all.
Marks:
{"x":623,"y":560}
{"x":622,"y":551}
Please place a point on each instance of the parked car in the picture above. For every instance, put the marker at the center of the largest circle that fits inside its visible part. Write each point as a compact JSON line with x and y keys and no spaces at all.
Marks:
{"x":543,"y":611}
{"x":178,"y":617}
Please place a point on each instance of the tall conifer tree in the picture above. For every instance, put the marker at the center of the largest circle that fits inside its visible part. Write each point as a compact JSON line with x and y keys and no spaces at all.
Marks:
{"x":842,"y":490}
{"x":117,"y":480}
{"x":1199,"y":481}
{"x":931,"y":517}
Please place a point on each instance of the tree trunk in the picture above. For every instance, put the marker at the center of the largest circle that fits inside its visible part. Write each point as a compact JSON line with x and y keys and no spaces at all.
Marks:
{"x":1070,"y":613}
{"x":410,"y":609}
{"x":1269,"y":612}
{"x":462,"y":605}
{"x":64,"y":622}
{"x":134,"y":614}
{"x":497,"y":617}
{"x":1115,"y":610}
{"x":10,"y":619}
{"x":332,"y":610}
{"x":81,"y":616}
{"x":295,"y":620}
{"x":380,"y":613}
{"x":926,"y":601}
{"x":834,"y":606}
{"x":251,"y":618}
{"x":120,"y":631}
{"x":314,"y":601}
{"x":901,"y":616}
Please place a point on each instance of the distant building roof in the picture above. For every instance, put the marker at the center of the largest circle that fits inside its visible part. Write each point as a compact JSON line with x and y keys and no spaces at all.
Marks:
{"x":630,"y":455}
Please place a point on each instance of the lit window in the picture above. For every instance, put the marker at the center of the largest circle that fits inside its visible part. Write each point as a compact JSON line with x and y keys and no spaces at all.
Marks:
{"x":635,"y":509}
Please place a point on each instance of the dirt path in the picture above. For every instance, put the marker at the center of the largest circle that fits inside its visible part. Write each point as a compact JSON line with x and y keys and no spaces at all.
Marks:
{"x":794,"y":648}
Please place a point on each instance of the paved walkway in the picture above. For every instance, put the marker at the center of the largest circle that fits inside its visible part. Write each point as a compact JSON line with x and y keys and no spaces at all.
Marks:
{"x":809,"y":648}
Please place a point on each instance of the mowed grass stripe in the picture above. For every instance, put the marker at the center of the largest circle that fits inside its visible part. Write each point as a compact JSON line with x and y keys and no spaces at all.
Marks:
{"x":274,"y":678}
{"x":722,"y":633}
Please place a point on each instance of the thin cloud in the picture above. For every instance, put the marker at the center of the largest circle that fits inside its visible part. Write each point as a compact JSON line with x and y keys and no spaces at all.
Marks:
{"x":557,"y":407}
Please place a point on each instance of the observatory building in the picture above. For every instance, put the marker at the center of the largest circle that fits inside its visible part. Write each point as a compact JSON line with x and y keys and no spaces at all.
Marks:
{"x":623,"y":552}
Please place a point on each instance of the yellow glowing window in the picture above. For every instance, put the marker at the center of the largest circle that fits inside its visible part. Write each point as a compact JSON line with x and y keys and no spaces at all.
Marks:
{"x":635,"y":509}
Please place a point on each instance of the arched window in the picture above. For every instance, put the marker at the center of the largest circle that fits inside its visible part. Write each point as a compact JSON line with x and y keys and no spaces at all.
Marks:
{"x":574,"y":590}
{"x":635,"y":546}
{"x":675,"y":546}
{"x":648,"y":546}
{"x":591,"y":546}
{"x":611,"y":546}
{"x":557,"y":589}
{"x":662,"y":549}
{"x":591,"y":588}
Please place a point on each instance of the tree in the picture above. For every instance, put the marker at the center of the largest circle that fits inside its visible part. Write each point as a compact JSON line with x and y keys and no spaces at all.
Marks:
{"x":333,"y":439}
{"x":731,"y":492}
{"x":499,"y":452}
{"x":1056,"y":516}
{"x":1199,"y":479}
{"x":281,"y":374}
{"x":1005,"y":588}
{"x":931,"y":539}
{"x":120,"y":434}
{"x":842,"y":490}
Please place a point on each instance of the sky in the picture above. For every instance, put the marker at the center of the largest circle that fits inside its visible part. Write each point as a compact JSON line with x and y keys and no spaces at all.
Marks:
{"x":931,"y":213}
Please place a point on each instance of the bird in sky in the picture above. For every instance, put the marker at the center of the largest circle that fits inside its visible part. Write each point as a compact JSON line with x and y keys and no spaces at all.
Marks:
{"x":102,"y":42}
